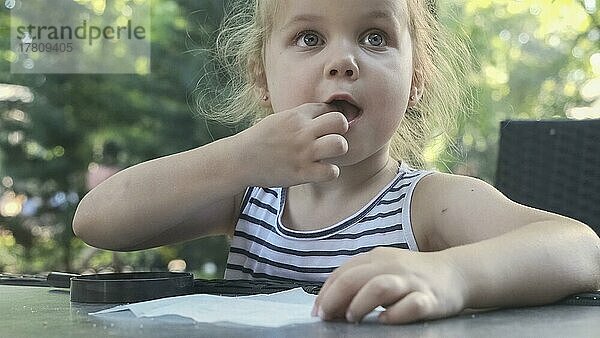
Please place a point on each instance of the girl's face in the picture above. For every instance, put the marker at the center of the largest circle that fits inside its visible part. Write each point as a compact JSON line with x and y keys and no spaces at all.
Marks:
{"x":362,"y":48}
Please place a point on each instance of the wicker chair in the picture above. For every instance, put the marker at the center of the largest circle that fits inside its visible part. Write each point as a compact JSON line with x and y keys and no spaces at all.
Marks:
{"x":552,"y":165}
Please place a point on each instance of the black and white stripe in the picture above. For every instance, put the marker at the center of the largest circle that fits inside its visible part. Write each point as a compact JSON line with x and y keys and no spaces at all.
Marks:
{"x":262,"y":247}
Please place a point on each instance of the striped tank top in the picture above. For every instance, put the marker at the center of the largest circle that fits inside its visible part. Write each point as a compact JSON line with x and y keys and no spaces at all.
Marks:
{"x":262,"y":247}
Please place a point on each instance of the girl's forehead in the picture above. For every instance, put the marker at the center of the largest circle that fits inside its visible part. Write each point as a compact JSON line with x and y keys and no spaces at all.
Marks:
{"x":292,"y":11}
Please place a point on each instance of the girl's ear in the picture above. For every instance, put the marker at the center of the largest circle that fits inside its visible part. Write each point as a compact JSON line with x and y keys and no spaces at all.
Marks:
{"x":259,"y":80}
{"x":262,"y":91}
{"x":265,"y":101}
{"x":416,"y":89}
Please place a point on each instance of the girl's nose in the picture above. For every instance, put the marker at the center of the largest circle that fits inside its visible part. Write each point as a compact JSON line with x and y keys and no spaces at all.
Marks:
{"x":345,"y":68}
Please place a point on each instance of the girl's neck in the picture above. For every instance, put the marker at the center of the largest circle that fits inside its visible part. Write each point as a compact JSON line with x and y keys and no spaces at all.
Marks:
{"x":375,"y":170}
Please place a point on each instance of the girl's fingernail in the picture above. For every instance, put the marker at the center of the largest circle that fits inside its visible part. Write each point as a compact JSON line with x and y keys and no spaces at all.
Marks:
{"x":350,"y":317}
{"x":321,"y":313}
{"x":313,"y":313}
{"x":383,"y":318}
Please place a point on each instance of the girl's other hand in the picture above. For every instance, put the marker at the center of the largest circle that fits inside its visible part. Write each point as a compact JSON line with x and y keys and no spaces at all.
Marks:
{"x":412,"y":286}
{"x":291,"y":147}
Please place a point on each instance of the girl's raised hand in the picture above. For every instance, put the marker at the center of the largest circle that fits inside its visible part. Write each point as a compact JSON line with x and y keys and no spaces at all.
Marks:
{"x":412,"y":286}
{"x":292,"y":147}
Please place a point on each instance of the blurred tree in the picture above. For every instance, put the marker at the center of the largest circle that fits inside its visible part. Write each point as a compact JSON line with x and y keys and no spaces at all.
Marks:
{"x":535,"y":59}
{"x":78,"y":122}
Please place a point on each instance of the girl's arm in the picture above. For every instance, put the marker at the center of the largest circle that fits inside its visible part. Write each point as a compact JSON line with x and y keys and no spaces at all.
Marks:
{"x":198,"y":192}
{"x":166,"y":200}
{"x":510,"y":254}
{"x":483,"y":251}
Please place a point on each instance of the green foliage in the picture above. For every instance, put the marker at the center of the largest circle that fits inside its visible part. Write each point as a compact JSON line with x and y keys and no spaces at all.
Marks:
{"x":533,"y":57}
{"x":112,"y":120}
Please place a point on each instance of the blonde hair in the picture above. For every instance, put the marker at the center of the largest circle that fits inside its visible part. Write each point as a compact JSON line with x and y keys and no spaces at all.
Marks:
{"x":441,"y":65}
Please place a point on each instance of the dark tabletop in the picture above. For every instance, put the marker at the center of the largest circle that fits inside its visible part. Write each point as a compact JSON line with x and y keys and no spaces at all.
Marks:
{"x":27,"y":311}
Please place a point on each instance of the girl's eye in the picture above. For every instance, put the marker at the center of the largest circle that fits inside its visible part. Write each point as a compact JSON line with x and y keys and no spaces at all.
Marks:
{"x":311,"y":39}
{"x":375,"y":39}
{"x":307,"y":39}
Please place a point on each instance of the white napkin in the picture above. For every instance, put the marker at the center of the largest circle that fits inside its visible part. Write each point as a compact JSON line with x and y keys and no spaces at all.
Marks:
{"x":273,"y":310}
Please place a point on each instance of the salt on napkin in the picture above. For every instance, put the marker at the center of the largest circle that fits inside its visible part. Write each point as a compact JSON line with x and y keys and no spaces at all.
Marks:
{"x":271,"y":310}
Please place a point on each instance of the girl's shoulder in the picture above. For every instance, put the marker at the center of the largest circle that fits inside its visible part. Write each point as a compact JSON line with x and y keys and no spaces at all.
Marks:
{"x":434,"y":196}
{"x":437,"y":185}
{"x":455,"y":210}
{"x":441,"y":194}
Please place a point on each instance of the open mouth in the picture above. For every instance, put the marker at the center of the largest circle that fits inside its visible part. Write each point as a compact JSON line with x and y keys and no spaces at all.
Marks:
{"x":350,"y":111}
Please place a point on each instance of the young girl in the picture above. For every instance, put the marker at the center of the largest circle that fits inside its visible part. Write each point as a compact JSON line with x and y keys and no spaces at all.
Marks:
{"x":323,"y":187}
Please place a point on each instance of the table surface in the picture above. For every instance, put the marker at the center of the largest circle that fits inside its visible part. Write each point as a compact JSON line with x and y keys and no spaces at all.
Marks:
{"x":37,"y":311}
